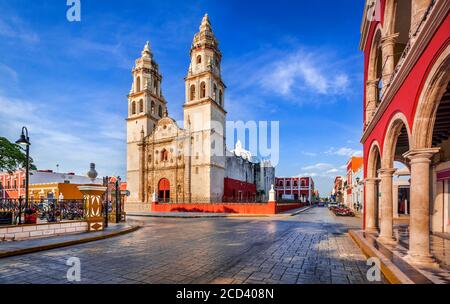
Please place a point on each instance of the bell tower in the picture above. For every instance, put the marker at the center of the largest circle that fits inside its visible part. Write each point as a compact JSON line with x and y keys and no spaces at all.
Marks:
{"x":146,"y":105}
{"x":205,"y":115}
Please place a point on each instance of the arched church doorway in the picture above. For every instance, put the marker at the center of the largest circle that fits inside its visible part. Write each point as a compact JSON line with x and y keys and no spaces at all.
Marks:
{"x":164,"y":190}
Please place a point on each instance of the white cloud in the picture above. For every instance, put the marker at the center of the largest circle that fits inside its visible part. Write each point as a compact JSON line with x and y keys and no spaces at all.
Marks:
{"x":344,"y":151}
{"x":309,"y":153}
{"x":14,"y":28}
{"x":319,"y":166}
{"x":56,"y":138}
{"x":303,"y":71}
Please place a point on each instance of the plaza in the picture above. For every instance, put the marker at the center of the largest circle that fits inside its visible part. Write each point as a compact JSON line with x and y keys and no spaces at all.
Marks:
{"x":311,"y":247}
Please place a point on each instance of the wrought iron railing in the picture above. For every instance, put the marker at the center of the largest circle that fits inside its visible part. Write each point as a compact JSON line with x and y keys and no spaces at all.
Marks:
{"x":13,"y":212}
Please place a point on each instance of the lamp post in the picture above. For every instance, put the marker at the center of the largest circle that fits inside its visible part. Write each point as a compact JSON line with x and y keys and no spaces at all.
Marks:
{"x":117,"y":199}
{"x":24,"y":141}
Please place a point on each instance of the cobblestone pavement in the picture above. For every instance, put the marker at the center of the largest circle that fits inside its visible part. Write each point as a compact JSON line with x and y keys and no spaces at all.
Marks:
{"x":312,"y":247}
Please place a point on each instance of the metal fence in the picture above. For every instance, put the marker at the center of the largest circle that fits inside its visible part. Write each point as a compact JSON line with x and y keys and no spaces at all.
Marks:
{"x":13,"y":212}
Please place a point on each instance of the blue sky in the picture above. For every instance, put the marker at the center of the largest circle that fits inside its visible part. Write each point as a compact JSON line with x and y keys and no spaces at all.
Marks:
{"x":296,"y":62}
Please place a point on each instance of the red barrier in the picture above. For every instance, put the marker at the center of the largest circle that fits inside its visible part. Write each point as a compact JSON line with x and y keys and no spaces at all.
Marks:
{"x":236,"y":208}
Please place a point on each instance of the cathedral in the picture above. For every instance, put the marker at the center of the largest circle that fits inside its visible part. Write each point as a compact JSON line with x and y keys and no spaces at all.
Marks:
{"x":188,"y":164}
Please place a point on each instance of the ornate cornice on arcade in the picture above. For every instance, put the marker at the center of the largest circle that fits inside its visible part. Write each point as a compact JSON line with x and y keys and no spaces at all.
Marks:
{"x":417,"y":43}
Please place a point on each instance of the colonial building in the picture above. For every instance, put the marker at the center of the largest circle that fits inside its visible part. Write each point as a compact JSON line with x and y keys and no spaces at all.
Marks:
{"x":189,"y":163}
{"x":337,"y":193}
{"x":295,"y":188}
{"x":406,"y":49}
{"x":353,"y":183}
{"x":44,"y":184}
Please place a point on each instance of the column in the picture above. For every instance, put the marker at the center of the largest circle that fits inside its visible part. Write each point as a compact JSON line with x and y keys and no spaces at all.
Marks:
{"x":419,"y":227}
{"x":388,"y":64}
{"x":371,"y":99}
{"x":418,"y":8}
{"x":92,"y":196}
{"x":387,"y":222}
{"x":370,"y":202}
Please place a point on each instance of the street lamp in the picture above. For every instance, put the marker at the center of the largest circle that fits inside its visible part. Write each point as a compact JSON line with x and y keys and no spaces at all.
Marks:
{"x":24,"y":141}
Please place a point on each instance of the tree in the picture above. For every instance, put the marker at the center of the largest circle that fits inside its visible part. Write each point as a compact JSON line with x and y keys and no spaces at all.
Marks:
{"x":12,"y":157}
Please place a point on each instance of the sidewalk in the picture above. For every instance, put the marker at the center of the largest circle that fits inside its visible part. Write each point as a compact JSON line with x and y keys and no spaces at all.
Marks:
{"x":28,"y":246}
{"x":213,"y":215}
{"x":396,"y":269}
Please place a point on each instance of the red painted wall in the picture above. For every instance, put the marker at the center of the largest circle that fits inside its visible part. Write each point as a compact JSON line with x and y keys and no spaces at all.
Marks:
{"x":243,"y":208}
{"x":236,"y":208}
{"x":233,"y":186}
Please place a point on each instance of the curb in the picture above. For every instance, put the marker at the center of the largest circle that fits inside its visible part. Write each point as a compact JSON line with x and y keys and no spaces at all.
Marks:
{"x":66,"y":243}
{"x":300,"y":211}
{"x":391,"y":272}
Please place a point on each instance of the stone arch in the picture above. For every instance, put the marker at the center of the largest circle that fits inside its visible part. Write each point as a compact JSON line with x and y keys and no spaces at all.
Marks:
{"x":192,"y":92}
{"x":164,"y":189}
{"x":371,"y":190}
{"x":397,"y":122}
{"x":133,"y":107}
{"x":141,"y":106}
{"x":374,"y":160}
{"x":202,"y":89}
{"x":138,"y":84}
{"x":373,"y":75}
{"x":433,"y":88}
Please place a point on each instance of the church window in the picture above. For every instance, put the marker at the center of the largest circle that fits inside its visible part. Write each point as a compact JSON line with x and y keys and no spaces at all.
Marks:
{"x":155,"y":86}
{"x":215,"y":93}
{"x":199,"y":59}
{"x":196,"y":170}
{"x":220,"y":98}
{"x":141,"y":106}
{"x":133,"y":108}
{"x":192,"y":92}
{"x":160,"y":113}
{"x":138,"y":84}
{"x":153,"y":107}
{"x":203,"y":90}
{"x":164,"y":155}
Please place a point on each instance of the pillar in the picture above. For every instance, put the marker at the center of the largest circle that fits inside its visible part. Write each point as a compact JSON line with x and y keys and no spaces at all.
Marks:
{"x":387,"y":53}
{"x":418,"y":8}
{"x":93,"y":206}
{"x":371,"y":100}
{"x":387,"y":222}
{"x":419,"y":229}
{"x":395,"y":195}
{"x":370,"y":202}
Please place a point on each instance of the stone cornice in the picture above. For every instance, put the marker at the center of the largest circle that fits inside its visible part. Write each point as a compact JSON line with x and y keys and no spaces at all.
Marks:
{"x":425,"y":153}
{"x":204,"y":101}
{"x":139,"y":116}
{"x":365,"y":25}
{"x":404,"y":67}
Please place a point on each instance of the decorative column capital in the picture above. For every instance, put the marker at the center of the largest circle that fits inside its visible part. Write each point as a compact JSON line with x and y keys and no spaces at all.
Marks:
{"x":389,"y":40}
{"x":421,"y":155}
{"x":386,"y":172}
{"x":371,"y":181}
{"x":372,"y":83}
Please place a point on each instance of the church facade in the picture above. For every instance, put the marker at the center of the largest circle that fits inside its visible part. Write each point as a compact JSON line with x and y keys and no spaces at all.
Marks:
{"x":189,"y":163}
